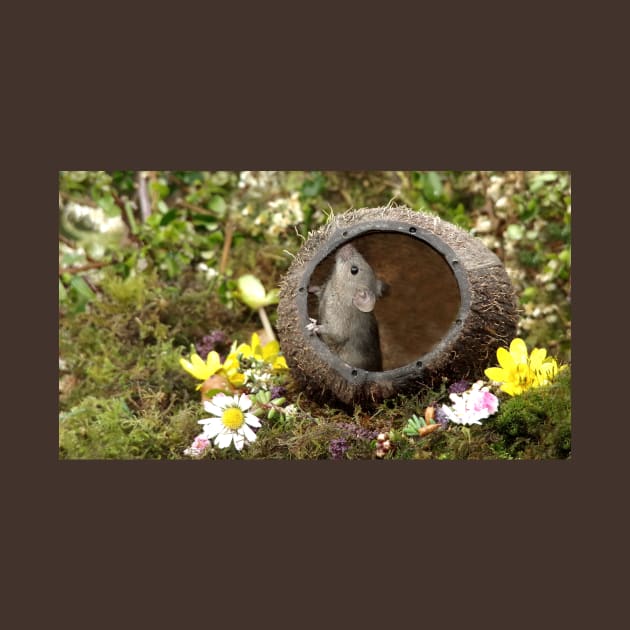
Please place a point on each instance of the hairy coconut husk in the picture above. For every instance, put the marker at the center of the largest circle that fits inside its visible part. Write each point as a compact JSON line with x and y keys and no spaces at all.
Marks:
{"x":449,"y":306}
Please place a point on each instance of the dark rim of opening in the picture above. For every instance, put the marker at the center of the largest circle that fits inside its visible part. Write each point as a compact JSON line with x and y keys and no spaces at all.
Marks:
{"x":343,"y":235}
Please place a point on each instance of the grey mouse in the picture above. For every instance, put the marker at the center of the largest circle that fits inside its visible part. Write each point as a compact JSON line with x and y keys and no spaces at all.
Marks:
{"x":346,"y":321}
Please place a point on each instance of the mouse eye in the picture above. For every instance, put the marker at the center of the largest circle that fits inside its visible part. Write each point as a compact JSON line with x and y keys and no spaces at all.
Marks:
{"x":354,"y":270}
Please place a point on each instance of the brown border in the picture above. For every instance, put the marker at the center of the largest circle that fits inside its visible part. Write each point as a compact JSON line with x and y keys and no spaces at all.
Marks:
{"x":111,"y":541}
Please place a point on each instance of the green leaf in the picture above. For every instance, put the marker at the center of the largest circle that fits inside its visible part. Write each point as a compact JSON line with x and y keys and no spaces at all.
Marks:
{"x":273,"y":297}
{"x":109,"y":206}
{"x":217,"y":204}
{"x":314,"y":186}
{"x":170,"y":265}
{"x":168,"y":217}
{"x":82,"y":289}
{"x":432,"y":186}
{"x":160,"y":188}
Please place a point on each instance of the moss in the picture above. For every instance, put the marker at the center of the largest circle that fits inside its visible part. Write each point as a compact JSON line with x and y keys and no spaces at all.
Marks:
{"x":106,"y":428}
{"x":124,"y":394}
{"x":537,"y":424}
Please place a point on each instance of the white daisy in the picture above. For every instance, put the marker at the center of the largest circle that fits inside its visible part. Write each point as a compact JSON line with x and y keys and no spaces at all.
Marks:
{"x":231,"y":421}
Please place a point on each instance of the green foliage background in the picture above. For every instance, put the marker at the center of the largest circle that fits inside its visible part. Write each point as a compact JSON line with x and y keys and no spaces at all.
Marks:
{"x":144,"y":272}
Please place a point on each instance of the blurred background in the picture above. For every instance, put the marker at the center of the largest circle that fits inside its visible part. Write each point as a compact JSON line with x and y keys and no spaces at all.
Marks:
{"x":218,"y":225}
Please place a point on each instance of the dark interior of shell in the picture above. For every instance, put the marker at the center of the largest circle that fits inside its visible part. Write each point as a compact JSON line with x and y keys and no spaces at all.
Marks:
{"x":422,"y":299}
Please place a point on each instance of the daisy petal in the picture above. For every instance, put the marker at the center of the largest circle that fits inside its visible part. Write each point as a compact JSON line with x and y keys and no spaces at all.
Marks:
{"x":223,"y":440}
{"x":244,"y":402}
{"x":212,"y":427}
{"x":239,"y":441}
{"x":249,"y":435}
{"x":213,"y":409}
{"x":252,"y":420}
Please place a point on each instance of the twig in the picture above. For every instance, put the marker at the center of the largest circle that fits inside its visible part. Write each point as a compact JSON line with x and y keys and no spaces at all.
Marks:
{"x":67,"y":241}
{"x":190,"y":206}
{"x":125,"y":217}
{"x":155,"y":195}
{"x":92,"y":265}
{"x":95,"y":289}
{"x":143,"y":197}
{"x":227,"y":244}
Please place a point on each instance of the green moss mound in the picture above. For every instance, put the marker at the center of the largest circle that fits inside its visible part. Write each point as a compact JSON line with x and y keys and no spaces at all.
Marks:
{"x":123,"y":394}
{"x":537,"y":424}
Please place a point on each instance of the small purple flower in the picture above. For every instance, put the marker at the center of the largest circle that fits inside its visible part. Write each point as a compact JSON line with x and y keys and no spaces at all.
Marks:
{"x":338,"y":447}
{"x":459,"y":387}
{"x":216,"y":340}
{"x":277,"y":391}
{"x":440,"y":417}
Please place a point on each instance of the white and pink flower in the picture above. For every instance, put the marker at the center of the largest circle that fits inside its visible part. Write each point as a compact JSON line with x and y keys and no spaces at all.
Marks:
{"x":472,"y":406}
{"x":198,"y":447}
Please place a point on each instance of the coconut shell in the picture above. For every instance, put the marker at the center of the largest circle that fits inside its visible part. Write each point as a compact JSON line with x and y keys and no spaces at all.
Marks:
{"x":449,"y":305}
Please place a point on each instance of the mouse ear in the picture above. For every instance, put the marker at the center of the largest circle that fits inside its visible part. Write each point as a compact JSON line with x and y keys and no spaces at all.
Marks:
{"x":364,"y":299}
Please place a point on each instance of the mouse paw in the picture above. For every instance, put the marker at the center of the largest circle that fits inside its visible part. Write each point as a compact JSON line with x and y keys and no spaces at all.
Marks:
{"x":312,"y":327}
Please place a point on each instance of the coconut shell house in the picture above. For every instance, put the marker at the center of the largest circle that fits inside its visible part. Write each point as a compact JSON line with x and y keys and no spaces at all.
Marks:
{"x":448,"y":307}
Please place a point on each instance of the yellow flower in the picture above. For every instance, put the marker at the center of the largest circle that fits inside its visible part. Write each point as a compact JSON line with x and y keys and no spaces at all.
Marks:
{"x":231,"y":369}
{"x":269,"y":353}
{"x":519,"y":372}
{"x":279,"y":363}
{"x":201,"y":369}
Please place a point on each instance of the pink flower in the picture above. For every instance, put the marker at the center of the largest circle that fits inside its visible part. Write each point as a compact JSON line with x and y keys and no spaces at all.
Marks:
{"x":484,"y":401}
{"x":471,"y":406}
{"x":198,"y":447}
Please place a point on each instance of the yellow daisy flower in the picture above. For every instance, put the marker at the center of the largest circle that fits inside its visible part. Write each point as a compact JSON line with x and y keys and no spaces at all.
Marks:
{"x":269,"y":353}
{"x":519,"y":371}
{"x":231,"y":369}
{"x":201,"y":369}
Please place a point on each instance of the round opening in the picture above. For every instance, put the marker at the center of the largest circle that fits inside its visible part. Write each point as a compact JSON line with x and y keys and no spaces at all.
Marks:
{"x":422,"y":300}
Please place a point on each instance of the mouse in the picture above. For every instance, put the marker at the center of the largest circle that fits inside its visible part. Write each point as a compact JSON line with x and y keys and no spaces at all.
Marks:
{"x":346,"y":320}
